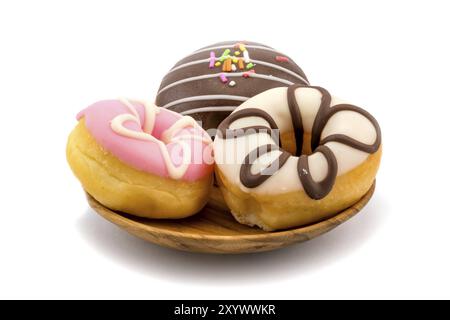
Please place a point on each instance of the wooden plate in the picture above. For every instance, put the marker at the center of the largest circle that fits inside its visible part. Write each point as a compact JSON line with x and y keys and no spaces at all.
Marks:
{"x":214,"y":230}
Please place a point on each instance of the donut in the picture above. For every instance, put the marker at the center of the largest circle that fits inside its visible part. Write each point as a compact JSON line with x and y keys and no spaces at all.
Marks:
{"x":140,"y":159}
{"x":294,"y":156}
{"x":211,"y":82}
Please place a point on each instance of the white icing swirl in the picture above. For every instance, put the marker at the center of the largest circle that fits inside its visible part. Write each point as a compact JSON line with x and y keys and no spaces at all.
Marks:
{"x":168,"y":136}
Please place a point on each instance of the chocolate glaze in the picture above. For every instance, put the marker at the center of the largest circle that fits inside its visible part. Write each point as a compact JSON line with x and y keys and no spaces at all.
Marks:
{"x":315,"y":190}
{"x":245,"y":87}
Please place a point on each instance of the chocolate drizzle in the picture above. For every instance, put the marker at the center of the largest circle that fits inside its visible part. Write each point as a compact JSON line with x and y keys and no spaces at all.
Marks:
{"x":225,"y":133}
{"x":251,"y":180}
{"x":327,"y":113}
{"x":318,"y":190}
{"x":315,"y":190}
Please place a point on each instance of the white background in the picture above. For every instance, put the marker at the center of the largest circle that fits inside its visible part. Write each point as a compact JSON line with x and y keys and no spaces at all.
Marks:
{"x":56,"y":57}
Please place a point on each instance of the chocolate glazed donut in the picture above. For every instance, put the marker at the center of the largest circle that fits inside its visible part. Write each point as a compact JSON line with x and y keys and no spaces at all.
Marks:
{"x":211,"y":82}
{"x":315,"y":190}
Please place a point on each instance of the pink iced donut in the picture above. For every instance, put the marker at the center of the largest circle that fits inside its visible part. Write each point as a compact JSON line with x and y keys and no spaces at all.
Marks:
{"x":146,"y":160}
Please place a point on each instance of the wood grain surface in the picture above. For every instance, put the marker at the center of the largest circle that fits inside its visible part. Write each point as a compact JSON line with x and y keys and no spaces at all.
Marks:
{"x":214,"y":230}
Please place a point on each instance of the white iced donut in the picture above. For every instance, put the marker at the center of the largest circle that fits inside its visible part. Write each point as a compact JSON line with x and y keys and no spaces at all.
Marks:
{"x":293,"y":156}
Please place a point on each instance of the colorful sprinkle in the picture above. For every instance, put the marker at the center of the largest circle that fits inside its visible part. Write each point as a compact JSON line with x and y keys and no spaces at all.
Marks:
{"x":233,"y":67}
{"x":281,"y":59}
{"x":241,"y":64}
{"x":225,"y":55}
{"x":236,"y":53}
{"x":250,"y":65}
{"x":232,"y":83}
{"x":228,"y":63}
{"x":246,"y":75}
{"x":246,"y":57}
{"x":212,"y":59}
{"x":218,"y":64}
{"x":224,"y":66}
{"x":235,"y":60}
{"x":252,"y":71}
{"x":223,"y":78}
{"x":242,"y":47}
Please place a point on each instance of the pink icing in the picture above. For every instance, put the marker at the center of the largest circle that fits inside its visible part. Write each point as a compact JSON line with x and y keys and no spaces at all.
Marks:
{"x":141,"y":154}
